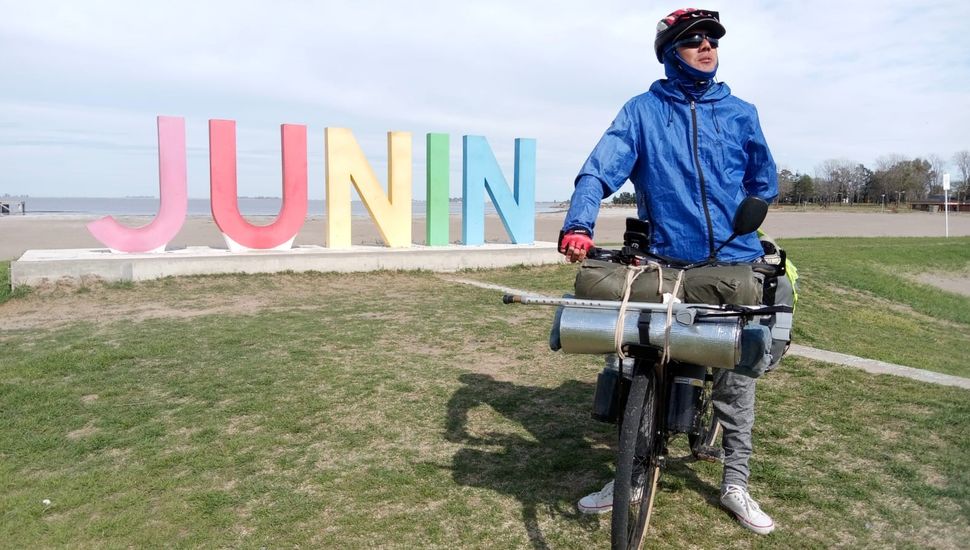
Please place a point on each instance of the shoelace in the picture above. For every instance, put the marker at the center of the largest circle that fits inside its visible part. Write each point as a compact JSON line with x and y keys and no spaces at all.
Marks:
{"x":749,"y":503}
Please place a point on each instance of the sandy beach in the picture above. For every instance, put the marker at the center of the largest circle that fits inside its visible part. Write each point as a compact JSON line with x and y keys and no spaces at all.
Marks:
{"x":21,"y":233}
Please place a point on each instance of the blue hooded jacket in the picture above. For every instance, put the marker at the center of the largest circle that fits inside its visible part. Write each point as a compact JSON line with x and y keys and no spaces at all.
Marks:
{"x":691,"y":164}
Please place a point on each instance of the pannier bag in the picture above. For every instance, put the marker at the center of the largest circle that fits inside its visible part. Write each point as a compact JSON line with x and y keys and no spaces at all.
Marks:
{"x":779,"y":291}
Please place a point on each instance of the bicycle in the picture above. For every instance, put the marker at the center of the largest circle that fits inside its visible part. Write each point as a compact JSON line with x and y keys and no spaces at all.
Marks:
{"x":668,"y":389}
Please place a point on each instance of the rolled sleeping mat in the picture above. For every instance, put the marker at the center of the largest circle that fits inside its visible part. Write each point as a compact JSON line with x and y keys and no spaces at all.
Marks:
{"x":717,"y":342}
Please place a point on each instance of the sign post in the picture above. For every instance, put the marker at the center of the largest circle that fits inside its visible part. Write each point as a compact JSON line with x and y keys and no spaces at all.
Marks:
{"x":946,"y":203}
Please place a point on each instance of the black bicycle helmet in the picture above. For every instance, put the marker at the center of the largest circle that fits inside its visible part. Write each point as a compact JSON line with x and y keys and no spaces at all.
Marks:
{"x":676,"y":24}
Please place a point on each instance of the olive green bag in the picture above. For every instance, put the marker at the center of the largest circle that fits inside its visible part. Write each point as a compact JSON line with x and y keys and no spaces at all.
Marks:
{"x":599,"y":280}
{"x":716,"y":285}
{"x":723,"y":284}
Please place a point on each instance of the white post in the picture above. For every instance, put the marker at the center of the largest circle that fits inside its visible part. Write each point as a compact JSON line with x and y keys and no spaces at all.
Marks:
{"x":946,"y":203}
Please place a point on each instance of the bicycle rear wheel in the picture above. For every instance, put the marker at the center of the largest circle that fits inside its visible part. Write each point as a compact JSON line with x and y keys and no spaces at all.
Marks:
{"x":704,"y":442}
{"x":637,"y":464}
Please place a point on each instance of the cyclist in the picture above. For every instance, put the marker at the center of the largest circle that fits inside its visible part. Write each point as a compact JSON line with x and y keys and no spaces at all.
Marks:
{"x":693,"y":151}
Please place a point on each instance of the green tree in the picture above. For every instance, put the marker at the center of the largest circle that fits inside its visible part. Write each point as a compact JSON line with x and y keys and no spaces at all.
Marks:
{"x":901,"y":178}
{"x":804,"y":189}
{"x":962,"y":161}
{"x":624,"y":198}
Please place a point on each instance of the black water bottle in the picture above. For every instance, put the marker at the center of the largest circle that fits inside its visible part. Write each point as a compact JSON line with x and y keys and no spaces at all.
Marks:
{"x":685,"y":397}
{"x":611,"y":391}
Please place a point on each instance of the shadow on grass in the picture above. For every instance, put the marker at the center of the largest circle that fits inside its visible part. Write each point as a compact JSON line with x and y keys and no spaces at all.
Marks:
{"x":678,"y":474}
{"x":567,"y":455}
{"x":549,"y":470}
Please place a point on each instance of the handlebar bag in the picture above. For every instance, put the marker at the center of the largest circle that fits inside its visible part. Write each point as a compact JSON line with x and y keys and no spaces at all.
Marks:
{"x":601,"y":280}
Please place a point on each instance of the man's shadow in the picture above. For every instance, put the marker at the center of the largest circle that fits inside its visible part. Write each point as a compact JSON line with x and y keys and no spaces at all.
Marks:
{"x":565,"y":454}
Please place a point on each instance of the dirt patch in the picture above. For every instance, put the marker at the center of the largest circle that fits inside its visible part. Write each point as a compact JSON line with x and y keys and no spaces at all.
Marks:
{"x":81,"y":433}
{"x":181,"y":298}
{"x":957,"y":283}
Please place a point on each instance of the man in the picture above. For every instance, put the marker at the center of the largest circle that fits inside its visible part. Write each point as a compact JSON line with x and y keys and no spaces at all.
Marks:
{"x":693,"y":151}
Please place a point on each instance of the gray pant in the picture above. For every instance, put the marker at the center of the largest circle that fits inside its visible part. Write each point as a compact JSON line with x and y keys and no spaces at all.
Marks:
{"x":734,"y":408}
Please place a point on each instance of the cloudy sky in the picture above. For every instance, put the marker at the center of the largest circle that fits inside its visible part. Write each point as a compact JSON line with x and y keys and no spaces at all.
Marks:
{"x":82,"y":82}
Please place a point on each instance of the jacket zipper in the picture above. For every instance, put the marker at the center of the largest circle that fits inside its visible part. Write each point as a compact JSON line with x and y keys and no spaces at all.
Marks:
{"x":700,"y":175}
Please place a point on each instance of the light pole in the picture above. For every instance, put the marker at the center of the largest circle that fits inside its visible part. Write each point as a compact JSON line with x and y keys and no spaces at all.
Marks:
{"x":946,"y":202}
{"x":883,"y":202}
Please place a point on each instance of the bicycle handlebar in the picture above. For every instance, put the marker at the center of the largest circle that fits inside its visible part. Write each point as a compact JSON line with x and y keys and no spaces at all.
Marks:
{"x":626,"y":256}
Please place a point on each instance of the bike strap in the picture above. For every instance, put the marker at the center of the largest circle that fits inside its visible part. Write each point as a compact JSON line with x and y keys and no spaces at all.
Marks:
{"x":642,"y":351}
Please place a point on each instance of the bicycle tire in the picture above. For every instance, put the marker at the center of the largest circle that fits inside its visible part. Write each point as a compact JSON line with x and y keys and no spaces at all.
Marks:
{"x":637,"y":461}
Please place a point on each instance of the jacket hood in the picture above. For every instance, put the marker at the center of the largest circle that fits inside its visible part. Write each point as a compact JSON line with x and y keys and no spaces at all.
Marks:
{"x":670,"y":90}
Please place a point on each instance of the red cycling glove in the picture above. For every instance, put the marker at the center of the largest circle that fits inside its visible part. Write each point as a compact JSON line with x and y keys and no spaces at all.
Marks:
{"x":578,"y":240}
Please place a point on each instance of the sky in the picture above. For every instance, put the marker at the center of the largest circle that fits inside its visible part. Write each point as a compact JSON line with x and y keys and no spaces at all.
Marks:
{"x":83,"y":82}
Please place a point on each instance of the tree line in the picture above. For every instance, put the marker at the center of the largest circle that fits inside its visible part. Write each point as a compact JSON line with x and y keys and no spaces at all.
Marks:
{"x":895,"y":179}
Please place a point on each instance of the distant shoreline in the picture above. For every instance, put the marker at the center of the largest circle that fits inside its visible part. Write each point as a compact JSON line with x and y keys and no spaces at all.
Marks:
{"x":249,"y":206}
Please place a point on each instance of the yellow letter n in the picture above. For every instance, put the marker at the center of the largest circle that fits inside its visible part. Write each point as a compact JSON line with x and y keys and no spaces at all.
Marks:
{"x":346,"y":165}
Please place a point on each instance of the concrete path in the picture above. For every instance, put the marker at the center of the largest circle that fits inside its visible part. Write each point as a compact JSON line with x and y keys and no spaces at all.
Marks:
{"x":879,"y":367}
{"x":871,"y":366}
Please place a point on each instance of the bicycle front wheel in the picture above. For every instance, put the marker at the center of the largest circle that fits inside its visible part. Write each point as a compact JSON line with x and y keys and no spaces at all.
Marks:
{"x":637,"y":464}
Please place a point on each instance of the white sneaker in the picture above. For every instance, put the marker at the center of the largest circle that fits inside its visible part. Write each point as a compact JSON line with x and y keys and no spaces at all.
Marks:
{"x":736,"y":499}
{"x":601,"y":501}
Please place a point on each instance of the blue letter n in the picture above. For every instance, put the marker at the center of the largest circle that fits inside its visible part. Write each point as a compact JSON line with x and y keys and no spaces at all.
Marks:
{"x":480,"y":172}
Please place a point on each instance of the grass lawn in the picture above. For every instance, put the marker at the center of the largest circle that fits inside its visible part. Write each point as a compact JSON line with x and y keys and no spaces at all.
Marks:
{"x":5,"y":291}
{"x":863,"y":298}
{"x":402,"y":410}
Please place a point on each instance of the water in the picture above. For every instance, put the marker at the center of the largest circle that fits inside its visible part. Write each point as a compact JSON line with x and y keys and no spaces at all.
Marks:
{"x":263,"y":206}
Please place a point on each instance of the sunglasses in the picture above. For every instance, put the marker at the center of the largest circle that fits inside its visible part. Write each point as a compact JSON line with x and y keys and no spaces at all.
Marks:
{"x":695,"y":40}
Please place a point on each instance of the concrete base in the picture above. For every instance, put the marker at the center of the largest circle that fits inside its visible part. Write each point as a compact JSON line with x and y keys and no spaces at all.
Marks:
{"x":38,"y":267}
